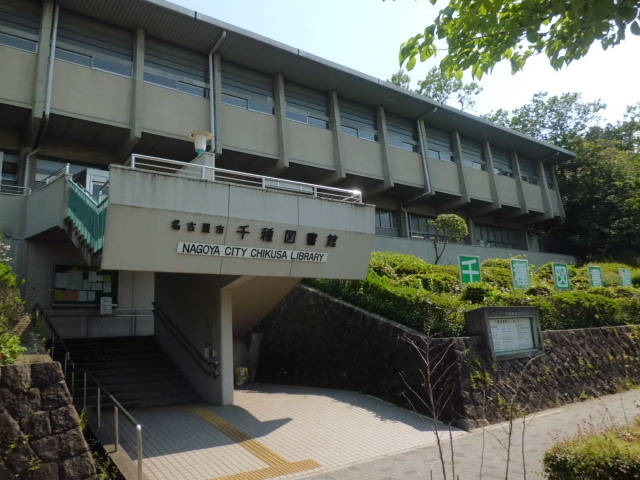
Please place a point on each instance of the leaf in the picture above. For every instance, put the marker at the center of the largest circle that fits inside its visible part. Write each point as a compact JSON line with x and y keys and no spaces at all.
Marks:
{"x":411,"y":63}
{"x":635,"y":28}
{"x":627,"y":13}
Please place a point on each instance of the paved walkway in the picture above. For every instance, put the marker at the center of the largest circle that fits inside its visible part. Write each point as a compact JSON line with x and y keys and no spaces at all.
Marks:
{"x":284,"y":432}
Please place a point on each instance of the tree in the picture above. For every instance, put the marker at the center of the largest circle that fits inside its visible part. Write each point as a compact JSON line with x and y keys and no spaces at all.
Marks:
{"x":481,"y":33}
{"x":600,"y":187}
{"x":441,"y":88}
{"x":401,"y":79}
{"x":558,"y":119}
{"x":448,"y":227}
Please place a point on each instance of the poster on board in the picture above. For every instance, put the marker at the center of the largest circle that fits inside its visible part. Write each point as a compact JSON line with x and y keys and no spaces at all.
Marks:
{"x":83,"y":286}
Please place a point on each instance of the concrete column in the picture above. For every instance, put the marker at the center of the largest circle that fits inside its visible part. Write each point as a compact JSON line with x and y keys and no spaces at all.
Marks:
{"x":544,"y":190}
{"x":457,"y":153}
{"x":137,"y":98}
{"x":223,"y":337}
{"x":281,"y":117}
{"x":216,"y":91}
{"x":492,"y":175}
{"x":334,"y":125}
{"x":384,"y":148}
{"x":518,"y":178}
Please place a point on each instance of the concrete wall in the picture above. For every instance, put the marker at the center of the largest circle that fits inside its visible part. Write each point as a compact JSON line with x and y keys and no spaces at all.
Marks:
{"x":88,"y":93}
{"x":312,"y":339}
{"x":171,"y":113}
{"x":17,"y":68}
{"x":142,"y":207}
{"x":46,"y":208}
{"x":424,"y":249}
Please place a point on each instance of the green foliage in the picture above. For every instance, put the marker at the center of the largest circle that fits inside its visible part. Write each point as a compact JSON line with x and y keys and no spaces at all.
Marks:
{"x":575,"y":309}
{"x":480,"y":34}
{"x":11,"y":310}
{"x":420,"y":295}
{"x":600,"y":186}
{"x":448,"y":227}
{"x":612,"y":454}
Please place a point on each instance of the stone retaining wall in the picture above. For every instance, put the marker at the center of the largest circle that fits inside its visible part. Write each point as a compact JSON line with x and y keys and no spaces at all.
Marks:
{"x":313,"y":339}
{"x":40,"y":435}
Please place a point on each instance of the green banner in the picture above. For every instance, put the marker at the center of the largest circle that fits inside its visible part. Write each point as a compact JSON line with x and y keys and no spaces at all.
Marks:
{"x":520,"y":273}
{"x":625,"y":277}
{"x":561,"y":276}
{"x":469,"y":269}
{"x":595,"y":276}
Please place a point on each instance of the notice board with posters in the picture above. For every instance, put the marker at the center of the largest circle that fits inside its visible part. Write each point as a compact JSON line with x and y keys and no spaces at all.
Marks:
{"x":83,"y":286}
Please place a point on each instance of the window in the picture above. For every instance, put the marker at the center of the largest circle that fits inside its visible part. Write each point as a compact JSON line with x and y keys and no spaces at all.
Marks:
{"x":473,"y":154}
{"x":439,"y":144}
{"x":20,"y":25}
{"x":9,"y":171}
{"x":548,"y":175}
{"x":386,"y":222}
{"x":94,"y":44}
{"x":403,"y":133}
{"x":247,"y":89}
{"x":306,"y":105}
{"x":175,"y":67}
{"x":358,"y":120}
{"x":502,"y":164}
{"x":488,"y":236}
{"x":528,"y":170}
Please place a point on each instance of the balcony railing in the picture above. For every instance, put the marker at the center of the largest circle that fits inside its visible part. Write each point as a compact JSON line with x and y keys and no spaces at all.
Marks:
{"x":14,"y":189}
{"x":89,"y":216}
{"x":191,"y":170}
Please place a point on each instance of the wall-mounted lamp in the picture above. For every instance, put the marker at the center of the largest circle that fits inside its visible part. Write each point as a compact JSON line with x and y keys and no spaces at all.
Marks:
{"x":200,"y":140}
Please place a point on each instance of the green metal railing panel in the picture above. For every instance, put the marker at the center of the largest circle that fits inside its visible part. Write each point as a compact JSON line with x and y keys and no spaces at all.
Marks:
{"x":89,"y":216}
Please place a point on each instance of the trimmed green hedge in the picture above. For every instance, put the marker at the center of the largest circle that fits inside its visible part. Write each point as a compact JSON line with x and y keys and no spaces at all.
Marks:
{"x":421,"y":295}
{"x":613,"y":454}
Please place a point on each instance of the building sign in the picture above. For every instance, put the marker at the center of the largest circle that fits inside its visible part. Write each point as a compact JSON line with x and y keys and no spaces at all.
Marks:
{"x":511,"y":334}
{"x":625,"y":277}
{"x":520,"y":273}
{"x":595,"y":276}
{"x":213,"y":250}
{"x":505,"y":333}
{"x":469,"y":269}
{"x":84,"y":286}
{"x":561,"y":276}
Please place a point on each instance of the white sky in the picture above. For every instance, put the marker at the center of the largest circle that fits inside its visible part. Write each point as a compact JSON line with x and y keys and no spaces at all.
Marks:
{"x":366,"y":34}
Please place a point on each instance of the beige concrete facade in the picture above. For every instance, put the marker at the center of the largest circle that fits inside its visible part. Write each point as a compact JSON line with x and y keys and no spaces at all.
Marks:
{"x":87,"y":84}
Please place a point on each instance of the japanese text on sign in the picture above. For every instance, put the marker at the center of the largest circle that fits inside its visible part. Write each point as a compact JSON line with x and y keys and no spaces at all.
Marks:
{"x":511,"y":334}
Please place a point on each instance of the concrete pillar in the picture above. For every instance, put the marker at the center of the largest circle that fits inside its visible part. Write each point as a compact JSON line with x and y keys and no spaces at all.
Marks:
{"x":223,"y":337}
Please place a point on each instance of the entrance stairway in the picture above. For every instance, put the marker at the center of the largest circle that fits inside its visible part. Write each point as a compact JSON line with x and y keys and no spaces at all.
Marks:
{"x":135,"y":370}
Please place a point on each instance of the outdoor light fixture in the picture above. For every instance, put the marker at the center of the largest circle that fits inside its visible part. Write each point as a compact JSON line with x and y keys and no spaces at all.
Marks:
{"x":200,"y":140}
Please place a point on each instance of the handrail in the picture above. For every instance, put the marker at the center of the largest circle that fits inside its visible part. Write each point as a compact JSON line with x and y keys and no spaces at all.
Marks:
{"x":88,"y":215}
{"x":208,"y":368}
{"x":37,"y":311}
{"x":204,"y":172}
{"x":14,"y":189}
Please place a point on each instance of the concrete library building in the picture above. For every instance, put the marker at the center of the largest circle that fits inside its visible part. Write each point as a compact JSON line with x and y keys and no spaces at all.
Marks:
{"x":167,"y":175}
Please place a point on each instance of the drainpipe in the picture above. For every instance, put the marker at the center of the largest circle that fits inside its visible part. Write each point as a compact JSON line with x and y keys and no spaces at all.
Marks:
{"x":47,"y":98}
{"x":212,"y":120}
{"x":428,"y":190}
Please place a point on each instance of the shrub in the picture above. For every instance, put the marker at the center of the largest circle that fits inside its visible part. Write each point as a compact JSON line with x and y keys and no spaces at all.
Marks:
{"x":477,"y":292}
{"x":575,"y":309}
{"x":441,"y":281}
{"x":612,"y":454}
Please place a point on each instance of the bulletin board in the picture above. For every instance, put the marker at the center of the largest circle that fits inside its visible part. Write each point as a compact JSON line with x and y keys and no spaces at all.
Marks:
{"x":83,"y":286}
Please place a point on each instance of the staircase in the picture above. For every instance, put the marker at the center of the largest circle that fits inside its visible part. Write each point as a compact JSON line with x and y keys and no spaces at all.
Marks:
{"x":135,"y":370}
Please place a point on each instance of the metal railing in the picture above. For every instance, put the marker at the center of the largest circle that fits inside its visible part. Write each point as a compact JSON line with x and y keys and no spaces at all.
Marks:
{"x":14,"y":189}
{"x":208,"y":367}
{"x":39,"y":316}
{"x":89,"y":216}
{"x":202,"y":172}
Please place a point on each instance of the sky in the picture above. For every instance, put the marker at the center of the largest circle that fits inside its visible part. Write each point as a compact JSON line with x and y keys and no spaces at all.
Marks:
{"x":365,"y":35}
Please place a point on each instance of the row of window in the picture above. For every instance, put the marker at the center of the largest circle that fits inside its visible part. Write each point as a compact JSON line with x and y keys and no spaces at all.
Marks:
{"x":98,"y":45}
{"x":420,"y":227}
